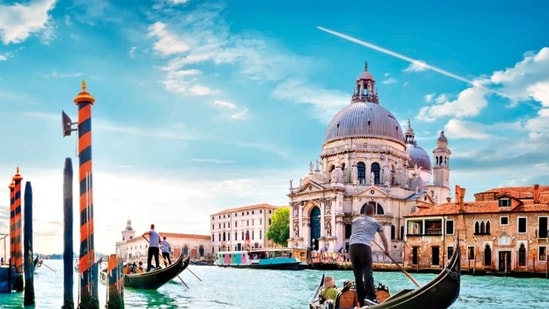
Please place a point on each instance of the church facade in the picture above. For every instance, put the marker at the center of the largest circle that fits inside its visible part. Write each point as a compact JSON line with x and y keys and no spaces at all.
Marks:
{"x":366,"y":158}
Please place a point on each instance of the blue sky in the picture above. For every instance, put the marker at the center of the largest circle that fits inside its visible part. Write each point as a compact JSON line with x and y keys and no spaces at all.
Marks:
{"x":206,"y":105}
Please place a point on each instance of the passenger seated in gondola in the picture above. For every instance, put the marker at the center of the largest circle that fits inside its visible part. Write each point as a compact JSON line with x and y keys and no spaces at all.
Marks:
{"x":139,"y":269}
{"x":329,"y":291}
{"x":347,"y":298}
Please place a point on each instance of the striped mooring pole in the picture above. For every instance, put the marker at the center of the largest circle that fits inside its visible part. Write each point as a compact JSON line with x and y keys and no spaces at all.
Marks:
{"x":12,"y":222}
{"x":115,"y":291}
{"x":88,"y":268}
{"x":17,"y":228}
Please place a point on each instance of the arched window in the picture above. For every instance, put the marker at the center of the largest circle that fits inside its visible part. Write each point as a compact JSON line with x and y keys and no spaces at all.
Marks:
{"x":378,"y":209}
{"x":487,"y":227}
{"x":482,"y":228}
{"x":361,"y":170}
{"x":477,"y":228}
{"x":522,"y":255}
{"x":224,"y":236}
{"x":315,"y":227}
{"x":185,"y":250}
{"x":201,"y":251}
{"x":393,"y":232}
{"x":376,"y":171}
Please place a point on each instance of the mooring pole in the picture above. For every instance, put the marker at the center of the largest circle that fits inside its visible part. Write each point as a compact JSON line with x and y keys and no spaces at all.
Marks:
{"x":68,"y":250}
{"x":88,"y":268}
{"x":12,"y":221}
{"x":115,"y":290}
{"x":18,"y":250}
{"x":28,"y":248}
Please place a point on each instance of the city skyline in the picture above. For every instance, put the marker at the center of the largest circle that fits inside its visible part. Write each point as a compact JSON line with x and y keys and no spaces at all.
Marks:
{"x":207,"y":105}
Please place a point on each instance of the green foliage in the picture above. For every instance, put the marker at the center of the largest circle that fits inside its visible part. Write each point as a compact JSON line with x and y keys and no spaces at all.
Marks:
{"x":279,"y":231}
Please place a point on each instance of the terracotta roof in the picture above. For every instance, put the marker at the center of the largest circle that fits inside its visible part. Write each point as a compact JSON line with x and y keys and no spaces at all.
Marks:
{"x":249,"y":207}
{"x":477,"y":207}
{"x":169,"y":235}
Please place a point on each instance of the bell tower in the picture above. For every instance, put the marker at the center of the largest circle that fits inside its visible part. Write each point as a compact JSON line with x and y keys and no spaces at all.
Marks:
{"x":441,"y":170}
{"x":128,"y":232}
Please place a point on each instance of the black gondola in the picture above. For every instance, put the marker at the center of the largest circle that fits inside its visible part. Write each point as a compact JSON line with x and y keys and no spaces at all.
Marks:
{"x":439,"y":293}
{"x":155,"y":278}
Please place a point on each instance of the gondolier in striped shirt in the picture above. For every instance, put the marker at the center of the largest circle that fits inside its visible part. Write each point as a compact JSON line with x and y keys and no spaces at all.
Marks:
{"x":363,"y":232}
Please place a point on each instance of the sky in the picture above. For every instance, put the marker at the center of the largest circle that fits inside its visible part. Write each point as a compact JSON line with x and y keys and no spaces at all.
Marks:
{"x":207,"y":105}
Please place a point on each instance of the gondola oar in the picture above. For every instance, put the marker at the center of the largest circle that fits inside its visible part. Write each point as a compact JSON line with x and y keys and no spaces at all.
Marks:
{"x":48,"y":267}
{"x":400,"y":267}
{"x":193,"y":273}
{"x":318,"y":289}
{"x":165,"y":262}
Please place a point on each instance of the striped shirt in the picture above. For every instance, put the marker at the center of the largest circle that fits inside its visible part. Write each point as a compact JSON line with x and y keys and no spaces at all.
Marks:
{"x":364,"y":229}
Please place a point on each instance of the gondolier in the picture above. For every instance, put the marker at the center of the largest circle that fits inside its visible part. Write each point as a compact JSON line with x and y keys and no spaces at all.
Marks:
{"x":363,"y":232}
{"x":166,"y":250}
{"x":154,"y":247}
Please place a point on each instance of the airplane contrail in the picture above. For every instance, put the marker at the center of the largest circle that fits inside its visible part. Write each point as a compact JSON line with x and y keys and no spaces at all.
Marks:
{"x":400,"y":56}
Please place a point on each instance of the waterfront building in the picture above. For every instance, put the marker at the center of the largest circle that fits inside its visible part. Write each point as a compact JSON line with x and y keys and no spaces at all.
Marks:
{"x":241,"y":228}
{"x":366,"y":158}
{"x":503,"y":231}
{"x":133,"y":247}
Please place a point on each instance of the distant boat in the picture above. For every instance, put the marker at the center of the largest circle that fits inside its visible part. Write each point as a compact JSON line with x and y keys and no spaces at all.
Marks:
{"x":153,"y":279}
{"x":276,"y":258}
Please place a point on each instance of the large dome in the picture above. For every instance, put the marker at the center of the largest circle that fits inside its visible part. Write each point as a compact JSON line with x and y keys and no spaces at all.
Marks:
{"x":364,"y":119}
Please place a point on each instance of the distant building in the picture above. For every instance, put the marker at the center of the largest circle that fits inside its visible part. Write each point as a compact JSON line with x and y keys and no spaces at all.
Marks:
{"x":504,"y":230}
{"x":366,"y":158}
{"x":241,"y":228}
{"x":133,"y":247}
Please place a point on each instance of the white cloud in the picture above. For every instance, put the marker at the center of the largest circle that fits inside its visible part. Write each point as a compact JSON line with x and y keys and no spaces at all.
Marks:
{"x":167,"y":42}
{"x":417,"y":66}
{"x":466,"y":129}
{"x":526,"y":80}
{"x":230,"y":109}
{"x":468,"y":103}
{"x":389,"y":80}
{"x":201,"y":90}
{"x":326,"y":103}
{"x":18,"y":21}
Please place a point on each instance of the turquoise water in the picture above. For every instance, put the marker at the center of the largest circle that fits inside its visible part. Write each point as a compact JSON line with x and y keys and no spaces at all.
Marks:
{"x":247,"y":288}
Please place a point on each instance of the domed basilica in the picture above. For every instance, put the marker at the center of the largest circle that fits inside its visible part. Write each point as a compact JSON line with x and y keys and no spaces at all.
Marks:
{"x":366,"y":158}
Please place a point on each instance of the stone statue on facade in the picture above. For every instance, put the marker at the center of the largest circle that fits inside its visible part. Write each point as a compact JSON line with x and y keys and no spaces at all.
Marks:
{"x":328,"y":226}
{"x":311,"y":167}
{"x":328,"y":206}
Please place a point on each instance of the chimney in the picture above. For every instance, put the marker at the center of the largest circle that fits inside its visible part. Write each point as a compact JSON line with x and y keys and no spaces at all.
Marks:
{"x":448,"y":199}
{"x":457,"y":192}
{"x":461,"y":196}
{"x":536,"y":194}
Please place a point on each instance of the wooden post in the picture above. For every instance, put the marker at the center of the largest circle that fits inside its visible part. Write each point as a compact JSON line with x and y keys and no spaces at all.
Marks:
{"x":115,"y":290}
{"x":28,"y":252}
{"x":68,"y":250}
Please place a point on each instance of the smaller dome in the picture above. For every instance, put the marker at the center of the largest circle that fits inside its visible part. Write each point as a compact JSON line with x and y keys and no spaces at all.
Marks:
{"x":442,"y":138}
{"x":418,"y":156}
{"x":365,"y":75}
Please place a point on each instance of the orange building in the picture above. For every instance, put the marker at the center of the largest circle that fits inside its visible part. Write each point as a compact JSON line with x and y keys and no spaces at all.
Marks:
{"x":503,"y":231}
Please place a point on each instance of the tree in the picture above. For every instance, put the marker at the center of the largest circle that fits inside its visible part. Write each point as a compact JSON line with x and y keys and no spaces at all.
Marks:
{"x":279,"y":231}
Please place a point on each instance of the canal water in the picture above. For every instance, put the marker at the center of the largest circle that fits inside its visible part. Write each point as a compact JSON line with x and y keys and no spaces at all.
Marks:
{"x":246,"y":288}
